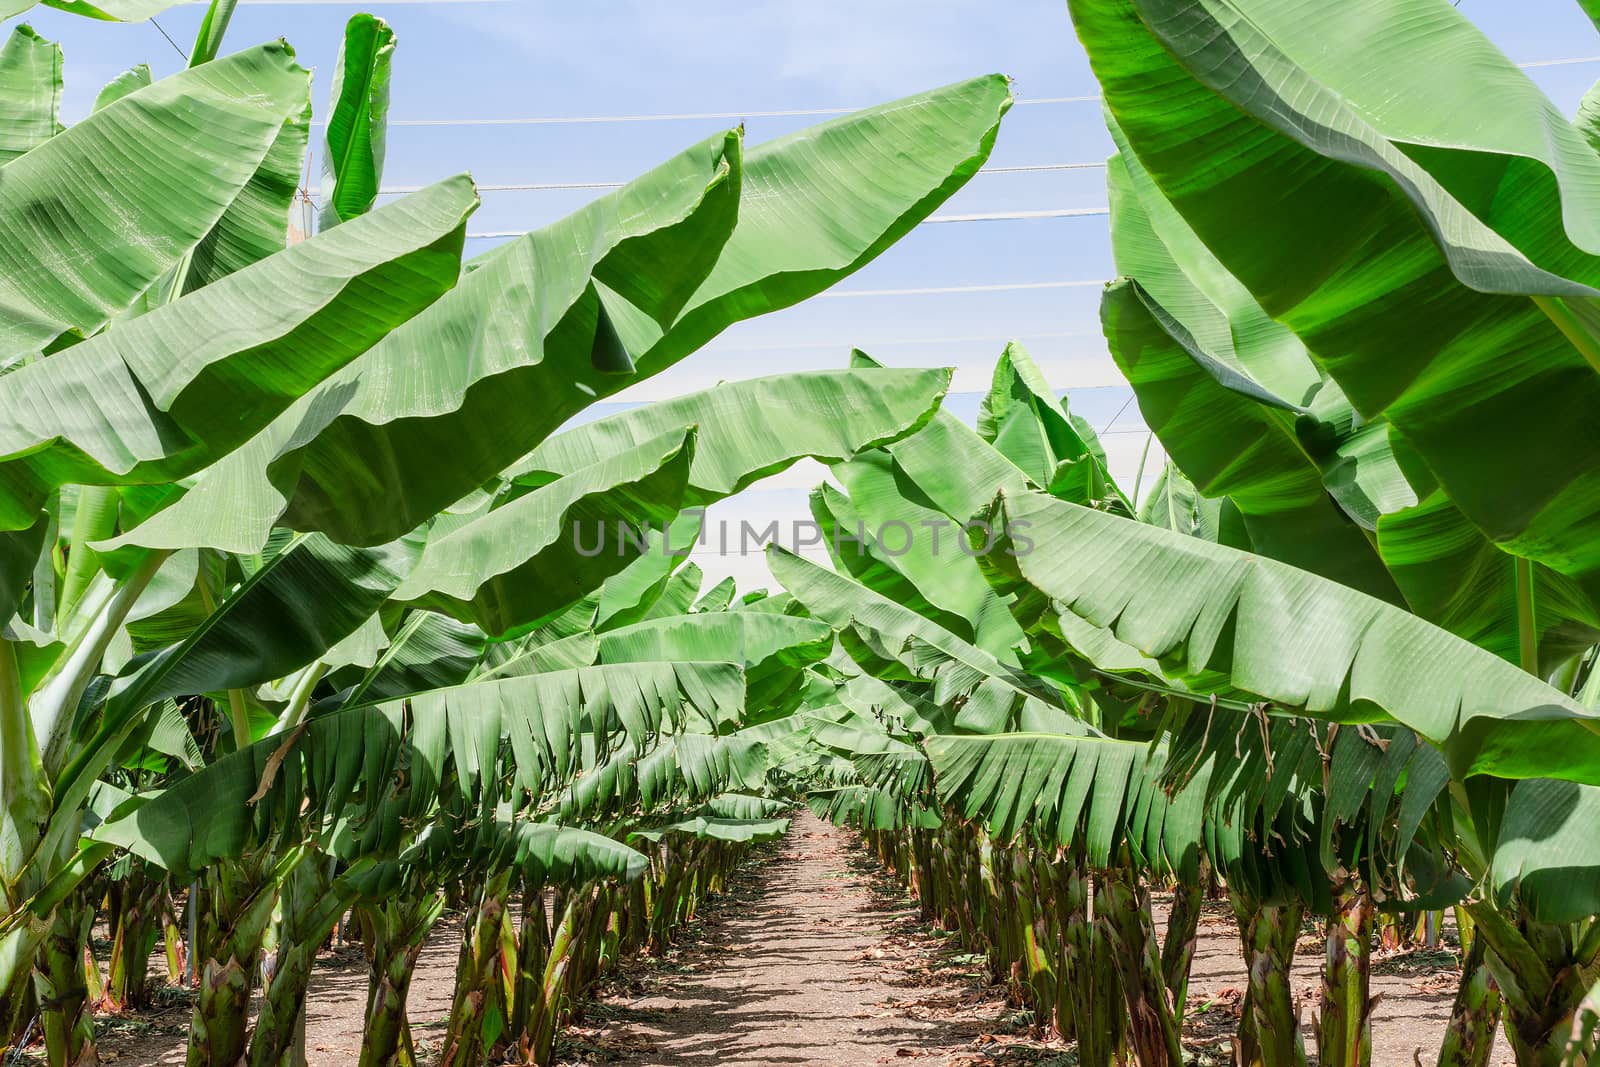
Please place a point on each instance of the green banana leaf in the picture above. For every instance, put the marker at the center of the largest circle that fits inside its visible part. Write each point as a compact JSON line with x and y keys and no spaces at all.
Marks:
{"x":992,"y":691}
{"x":571,"y":855}
{"x":326,"y":773}
{"x":1461,"y":316}
{"x":1301,"y":643}
{"x":130,"y":190}
{"x":888,"y":538}
{"x":162,"y":395}
{"x":30,"y":93}
{"x":741,"y":637}
{"x":1173,"y":503}
{"x":1238,"y":445}
{"x":129,"y":81}
{"x":718,"y":597}
{"x":1026,"y":422}
{"x":751,"y":429}
{"x":528,"y":560}
{"x":1198,"y":350}
{"x":352,"y":162}
{"x":1058,"y":788}
{"x":744,"y":806}
{"x":714,"y":828}
{"x":303,"y":601}
{"x":678,"y":770}
{"x":256,"y":224}
{"x":677,"y":594}
{"x":958,"y":488}
{"x":825,"y":201}
{"x":106,"y":10}
{"x":630,"y":595}
{"x":1546,"y":851}
{"x":429,"y":651}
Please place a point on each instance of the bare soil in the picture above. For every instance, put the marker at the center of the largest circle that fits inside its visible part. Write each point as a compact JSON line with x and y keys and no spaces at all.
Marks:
{"x":825,"y":965}
{"x":815,"y":957}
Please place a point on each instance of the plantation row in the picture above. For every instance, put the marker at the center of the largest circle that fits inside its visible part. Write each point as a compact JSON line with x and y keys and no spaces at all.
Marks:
{"x":305,"y":620}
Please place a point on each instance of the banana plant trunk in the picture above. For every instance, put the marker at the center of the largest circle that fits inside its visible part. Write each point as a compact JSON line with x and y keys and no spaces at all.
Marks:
{"x":1124,"y":903}
{"x":1544,"y":972}
{"x":1344,"y":1034}
{"x":1088,"y":998}
{"x":1269,"y":1034}
{"x":479,"y":1009}
{"x":311,"y":902}
{"x":65,"y":1009}
{"x":235,"y":908}
{"x":135,"y":912}
{"x":18,"y":998}
{"x":395,"y":932}
{"x":1183,"y":933}
{"x":565,"y":942}
{"x":1475,"y":1016}
{"x":533,"y":953}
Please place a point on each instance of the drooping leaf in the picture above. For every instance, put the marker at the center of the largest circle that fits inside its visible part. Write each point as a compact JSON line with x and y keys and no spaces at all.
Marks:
{"x":755,"y":428}
{"x":1056,"y":788}
{"x":1301,"y":643}
{"x":322,"y":769}
{"x":256,"y":224}
{"x":1237,"y":445}
{"x":530,"y":559}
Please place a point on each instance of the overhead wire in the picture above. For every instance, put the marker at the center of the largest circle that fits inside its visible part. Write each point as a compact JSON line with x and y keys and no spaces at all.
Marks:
{"x":806,"y":112}
{"x":540,"y":187}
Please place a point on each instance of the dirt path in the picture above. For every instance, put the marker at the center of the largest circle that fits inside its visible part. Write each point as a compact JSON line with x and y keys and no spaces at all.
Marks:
{"x":804,"y":973}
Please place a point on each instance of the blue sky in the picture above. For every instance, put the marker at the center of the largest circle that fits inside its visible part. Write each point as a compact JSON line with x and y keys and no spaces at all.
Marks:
{"x":543,"y":58}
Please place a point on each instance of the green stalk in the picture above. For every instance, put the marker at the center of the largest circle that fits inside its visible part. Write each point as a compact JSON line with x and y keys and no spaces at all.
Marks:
{"x":94,"y":519}
{"x":1153,"y":1030}
{"x":310,"y":903}
{"x":56,"y":699}
{"x":1035,"y":936}
{"x":398,"y":930}
{"x":300,"y":698}
{"x":533,"y":951}
{"x":135,"y":904}
{"x":1544,"y":972}
{"x":1344,"y":1037}
{"x":233,"y":926}
{"x":63,"y":994}
{"x":478,"y":1009}
{"x":1273,"y":1036}
{"x":238,"y":713}
{"x":1475,"y":1015}
{"x":1183,"y":931}
{"x":23,"y":790}
{"x":564,"y":943}
{"x":1527,"y":633}
{"x":18,"y":949}
{"x":1138,"y":477}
